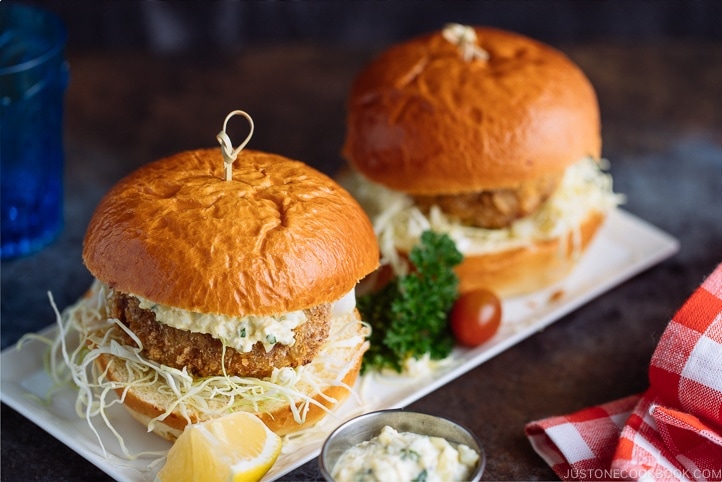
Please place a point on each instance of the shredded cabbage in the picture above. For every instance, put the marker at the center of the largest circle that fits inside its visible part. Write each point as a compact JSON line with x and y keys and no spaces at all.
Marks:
{"x":398,"y":222}
{"x":85,"y":332}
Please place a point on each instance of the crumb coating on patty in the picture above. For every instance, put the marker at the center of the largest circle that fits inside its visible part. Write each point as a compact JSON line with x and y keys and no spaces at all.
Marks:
{"x":203,"y":355}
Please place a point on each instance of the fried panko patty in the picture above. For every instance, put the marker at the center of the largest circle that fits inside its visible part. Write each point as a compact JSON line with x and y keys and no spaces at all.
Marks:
{"x":202,"y":355}
{"x":494,"y":208}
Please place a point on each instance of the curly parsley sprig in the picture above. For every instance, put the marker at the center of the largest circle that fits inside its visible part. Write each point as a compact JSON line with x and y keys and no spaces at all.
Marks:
{"x":408,"y":316}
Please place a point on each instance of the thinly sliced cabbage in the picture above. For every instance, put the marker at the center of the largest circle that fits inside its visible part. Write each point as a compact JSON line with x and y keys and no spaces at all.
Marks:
{"x":85,"y":332}
{"x":398,"y":223}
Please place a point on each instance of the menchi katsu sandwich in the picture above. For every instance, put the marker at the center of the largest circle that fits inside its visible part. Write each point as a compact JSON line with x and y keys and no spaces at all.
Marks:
{"x":214,"y":294}
{"x":488,"y":136}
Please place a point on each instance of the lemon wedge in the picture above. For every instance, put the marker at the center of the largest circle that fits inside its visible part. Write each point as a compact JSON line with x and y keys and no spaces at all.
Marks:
{"x":237,"y":447}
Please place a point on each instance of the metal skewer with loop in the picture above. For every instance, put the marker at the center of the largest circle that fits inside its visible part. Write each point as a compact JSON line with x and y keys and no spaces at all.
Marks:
{"x":229,"y":153}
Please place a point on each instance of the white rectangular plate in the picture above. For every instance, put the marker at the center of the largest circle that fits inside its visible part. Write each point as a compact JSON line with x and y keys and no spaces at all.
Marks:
{"x":625,"y":246}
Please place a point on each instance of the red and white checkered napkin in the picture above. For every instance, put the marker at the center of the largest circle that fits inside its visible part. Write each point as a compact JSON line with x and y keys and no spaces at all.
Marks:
{"x":673,"y":431}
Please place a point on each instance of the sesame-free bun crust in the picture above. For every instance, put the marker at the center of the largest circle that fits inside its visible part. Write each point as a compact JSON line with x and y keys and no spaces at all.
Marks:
{"x":527,"y":269}
{"x":146,"y":402}
{"x":516,"y":271}
{"x":423,"y":120}
{"x":278,"y":237}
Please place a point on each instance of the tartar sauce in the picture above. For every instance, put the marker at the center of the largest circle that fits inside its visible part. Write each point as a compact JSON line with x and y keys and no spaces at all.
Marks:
{"x":405,"y":456}
{"x":241,"y":333}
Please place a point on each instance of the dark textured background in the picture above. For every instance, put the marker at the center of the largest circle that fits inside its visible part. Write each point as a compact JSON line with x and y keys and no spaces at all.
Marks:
{"x":152,"y":78}
{"x":176,"y":26}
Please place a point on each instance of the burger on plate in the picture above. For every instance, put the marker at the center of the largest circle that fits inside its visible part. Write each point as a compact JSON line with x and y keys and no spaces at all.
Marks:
{"x":214,"y":295}
{"x":489,"y":136}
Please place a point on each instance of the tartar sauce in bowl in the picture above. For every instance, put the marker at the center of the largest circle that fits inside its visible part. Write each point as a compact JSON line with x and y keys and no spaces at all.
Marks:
{"x":394,"y":455}
{"x":401,"y":446}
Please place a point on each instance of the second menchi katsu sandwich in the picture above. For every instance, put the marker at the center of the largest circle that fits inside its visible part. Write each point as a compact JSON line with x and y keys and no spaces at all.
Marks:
{"x":489,"y":136}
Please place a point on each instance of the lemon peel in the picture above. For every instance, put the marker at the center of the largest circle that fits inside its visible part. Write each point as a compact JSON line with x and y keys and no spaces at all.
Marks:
{"x":236,"y":447}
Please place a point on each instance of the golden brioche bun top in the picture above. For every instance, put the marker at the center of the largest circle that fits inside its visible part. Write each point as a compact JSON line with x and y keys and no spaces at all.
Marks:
{"x":278,"y":237}
{"x":423,"y":120}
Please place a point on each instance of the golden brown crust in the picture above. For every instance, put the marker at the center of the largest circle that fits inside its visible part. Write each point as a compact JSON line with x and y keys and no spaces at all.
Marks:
{"x":144,"y":405}
{"x":203,"y":355}
{"x":515,"y":271}
{"x":424,"y":121}
{"x":528,"y":269}
{"x":493,"y":208}
{"x":279,"y":237}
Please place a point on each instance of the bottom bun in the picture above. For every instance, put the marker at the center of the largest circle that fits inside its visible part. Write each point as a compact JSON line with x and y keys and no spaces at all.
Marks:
{"x":527,"y":269}
{"x":335,"y":370}
{"x":515,"y":271}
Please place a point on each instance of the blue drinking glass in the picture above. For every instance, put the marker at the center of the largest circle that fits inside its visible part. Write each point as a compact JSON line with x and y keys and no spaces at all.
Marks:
{"x":33,"y":80}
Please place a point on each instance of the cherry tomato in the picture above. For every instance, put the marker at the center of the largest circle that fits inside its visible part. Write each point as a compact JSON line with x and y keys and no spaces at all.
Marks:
{"x":475,"y":317}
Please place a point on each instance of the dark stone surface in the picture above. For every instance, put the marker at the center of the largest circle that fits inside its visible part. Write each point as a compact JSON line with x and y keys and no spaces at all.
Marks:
{"x":661,"y":110}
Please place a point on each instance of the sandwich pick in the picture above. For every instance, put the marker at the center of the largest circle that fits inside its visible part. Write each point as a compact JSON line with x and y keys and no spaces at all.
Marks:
{"x":219,"y":287}
{"x":671,"y":432}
